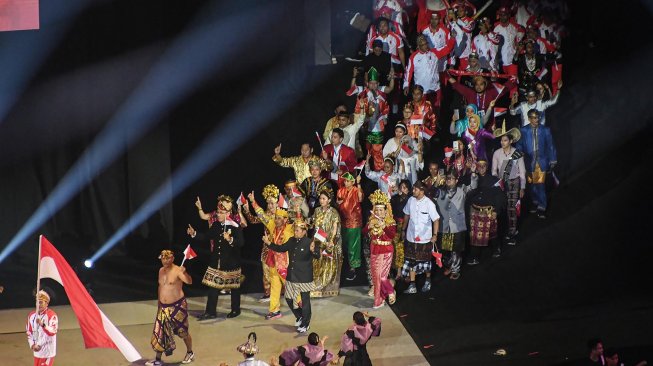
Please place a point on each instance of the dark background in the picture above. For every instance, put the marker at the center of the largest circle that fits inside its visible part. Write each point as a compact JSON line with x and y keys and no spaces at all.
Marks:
{"x":583,"y":272}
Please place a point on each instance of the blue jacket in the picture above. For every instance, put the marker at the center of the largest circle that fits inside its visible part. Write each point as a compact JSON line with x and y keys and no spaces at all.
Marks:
{"x":546,"y":151}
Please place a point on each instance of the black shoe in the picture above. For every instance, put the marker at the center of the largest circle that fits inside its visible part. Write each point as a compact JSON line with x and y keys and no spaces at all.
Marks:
{"x":541,"y":214}
{"x":206,"y":316}
{"x":233,"y":314}
{"x":351,"y":275}
{"x":473,"y":262}
{"x":497,"y":253}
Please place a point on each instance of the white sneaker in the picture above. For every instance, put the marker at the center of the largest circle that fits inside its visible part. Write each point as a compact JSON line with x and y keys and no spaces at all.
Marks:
{"x":378,"y":306}
{"x":298,"y":322}
{"x":303,"y":329}
{"x":189,"y":358}
{"x":153,"y":363}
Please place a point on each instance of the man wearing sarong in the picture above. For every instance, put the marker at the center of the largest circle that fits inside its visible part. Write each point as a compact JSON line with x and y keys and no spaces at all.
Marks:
{"x":172,"y":314}
{"x":223,"y":272}
{"x":299,"y":281}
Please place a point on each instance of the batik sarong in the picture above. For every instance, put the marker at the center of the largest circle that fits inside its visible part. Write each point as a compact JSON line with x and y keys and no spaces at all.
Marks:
{"x":171,"y":319}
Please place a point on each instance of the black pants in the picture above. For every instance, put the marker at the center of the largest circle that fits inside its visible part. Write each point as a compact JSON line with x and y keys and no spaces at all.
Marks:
{"x":305,"y":311}
{"x":212,"y":302}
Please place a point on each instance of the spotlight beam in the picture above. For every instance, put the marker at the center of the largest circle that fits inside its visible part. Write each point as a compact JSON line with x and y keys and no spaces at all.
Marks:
{"x":271,"y":97}
{"x":193,"y":55}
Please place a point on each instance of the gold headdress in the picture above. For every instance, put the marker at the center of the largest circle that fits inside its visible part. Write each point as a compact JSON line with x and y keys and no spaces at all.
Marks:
{"x":270,"y":191}
{"x":300,"y":223}
{"x":314,"y":162}
{"x":249,"y":347}
{"x":166,"y":253}
{"x":379,"y":198}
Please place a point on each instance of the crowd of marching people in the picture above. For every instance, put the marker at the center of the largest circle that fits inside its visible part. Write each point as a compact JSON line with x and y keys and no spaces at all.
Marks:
{"x":444,"y":138}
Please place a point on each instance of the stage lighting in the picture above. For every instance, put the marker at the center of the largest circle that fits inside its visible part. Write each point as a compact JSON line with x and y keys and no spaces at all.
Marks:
{"x":88,"y":263}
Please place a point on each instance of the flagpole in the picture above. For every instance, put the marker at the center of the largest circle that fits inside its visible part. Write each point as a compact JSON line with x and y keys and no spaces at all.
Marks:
{"x":38,"y":275}
{"x":182,"y":261}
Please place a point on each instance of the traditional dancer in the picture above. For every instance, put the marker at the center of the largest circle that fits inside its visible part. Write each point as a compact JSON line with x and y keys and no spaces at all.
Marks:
{"x":327,"y":268}
{"x":349,"y":199}
{"x":172,"y":314}
{"x":224,"y":270}
{"x":353,"y":344}
{"x":381,"y":230}
{"x":41,"y":328}
{"x":299,"y":284}
{"x":249,"y":349}
{"x":311,"y":354}
{"x":278,"y":231}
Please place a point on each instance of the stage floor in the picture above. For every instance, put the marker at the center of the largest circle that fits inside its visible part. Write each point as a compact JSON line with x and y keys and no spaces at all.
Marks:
{"x":215,"y":341}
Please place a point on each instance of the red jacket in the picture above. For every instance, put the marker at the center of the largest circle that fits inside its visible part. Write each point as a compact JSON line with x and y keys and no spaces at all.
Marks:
{"x":347,"y":157}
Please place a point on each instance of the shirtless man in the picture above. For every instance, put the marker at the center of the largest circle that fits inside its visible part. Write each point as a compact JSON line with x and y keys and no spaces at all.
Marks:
{"x":172,"y":315}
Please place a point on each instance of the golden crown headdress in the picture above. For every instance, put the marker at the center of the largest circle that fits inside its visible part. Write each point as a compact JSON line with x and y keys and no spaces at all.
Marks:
{"x":379,"y":198}
{"x":270,"y":191}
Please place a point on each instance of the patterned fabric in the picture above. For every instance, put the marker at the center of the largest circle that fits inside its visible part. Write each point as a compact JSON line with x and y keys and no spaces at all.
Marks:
{"x":483,"y":224}
{"x":512,"y":192}
{"x":300,"y":166}
{"x":350,"y":208}
{"x":399,"y":251}
{"x":418,"y":267}
{"x":453,"y":241}
{"x":262,"y":217}
{"x":171,"y":319}
{"x":294,"y":290}
{"x":417,"y":251}
{"x":222,"y":279}
{"x":326,"y":269}
{"x":366,"y":255}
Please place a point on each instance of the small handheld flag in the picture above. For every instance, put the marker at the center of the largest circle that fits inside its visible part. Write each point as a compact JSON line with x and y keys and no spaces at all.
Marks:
{"x":320,"y":235}
{"x":189,"y":253}
{"x":282,"y":203}
{"x":241,"y":200}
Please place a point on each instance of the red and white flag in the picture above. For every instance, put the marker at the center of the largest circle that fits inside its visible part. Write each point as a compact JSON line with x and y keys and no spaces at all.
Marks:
{"x":385,"y":177}
{"x":97,"y":329}
{"x":327,"y":254}
{"x":189,"y":253}
{"x":230,"y":221}
{"x":360,"y":165}
{"x":407,"y":149}
{"x":320,"y":235}
{"x":499,"y":111}
{"x":518,"y":207}
{"x":438,"y":258}
{"x":426,"y":133}
{"x":542,"y":72}
{"x":241,"y":200}
{"x":499,"y":88}
{"x":296,"y":192}
{"x":282,"y":203}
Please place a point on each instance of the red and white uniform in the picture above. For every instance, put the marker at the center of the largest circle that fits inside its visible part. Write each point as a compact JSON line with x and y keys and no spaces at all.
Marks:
{"x":44,"y":336}
{"x":426,"y":8}
{"x":366,"y":99}
{"x":512,"y":34}
{"x":395,"y":27}
{"x":463,"y":27}
{"x":525,"y":13}
{"x":422,"y":67}
{"x":438,"y":40}
{"x":487,"y":46}
{"x":392,"y":42}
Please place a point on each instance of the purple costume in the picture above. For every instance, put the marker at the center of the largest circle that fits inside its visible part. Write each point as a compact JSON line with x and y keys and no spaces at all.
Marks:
{"x":477,"y":142}
{"x":306,"y":355}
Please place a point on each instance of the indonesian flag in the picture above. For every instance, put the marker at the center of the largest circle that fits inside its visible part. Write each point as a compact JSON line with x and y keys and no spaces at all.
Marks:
{"x":320,"y":235}
{"x":241,"y":200}
{"x":189,"y":253}
{"x":296,"y":192}
{"x":97,"y":329}
{"x":327,"y":254}
{"x":499,"y":88}
{"x":518,"y":207}
{"x":502,"y":184}
{"x":407,"y":149}
{"x":438,"y":258}
{"x":282,"y":203}
{"x":499,"y":111}
{"x":542,"y":72}
{"x":426,"y":133}
{"x":360,"y":165}
{"x":385,"y":177}
{"x":230,"y":221}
